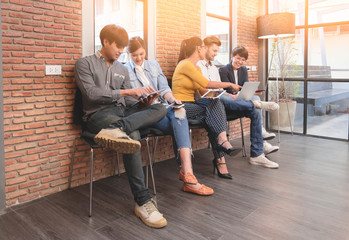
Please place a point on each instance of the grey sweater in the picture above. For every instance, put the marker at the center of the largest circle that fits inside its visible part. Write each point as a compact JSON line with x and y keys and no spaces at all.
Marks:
{"x":100,"y":86}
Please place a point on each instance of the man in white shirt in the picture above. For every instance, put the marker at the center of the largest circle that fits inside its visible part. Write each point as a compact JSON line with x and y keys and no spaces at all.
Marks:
{"x":240,"y":108}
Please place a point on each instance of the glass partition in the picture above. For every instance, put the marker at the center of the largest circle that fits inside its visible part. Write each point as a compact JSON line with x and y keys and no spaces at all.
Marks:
{"x":328,"y":52}
{"x":291,"y":108}
{"x":328,"y":109}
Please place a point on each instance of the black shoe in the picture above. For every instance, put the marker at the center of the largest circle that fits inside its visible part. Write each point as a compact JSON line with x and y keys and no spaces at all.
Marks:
{"x":230,"y":151}
{"x":222,"y":175}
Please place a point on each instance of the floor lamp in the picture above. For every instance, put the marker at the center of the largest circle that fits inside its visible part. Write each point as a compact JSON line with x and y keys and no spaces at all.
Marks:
{"x":276,"y":26}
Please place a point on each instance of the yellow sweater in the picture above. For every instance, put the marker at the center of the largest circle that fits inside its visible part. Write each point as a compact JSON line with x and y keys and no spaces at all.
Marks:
{"x":186,"y":79}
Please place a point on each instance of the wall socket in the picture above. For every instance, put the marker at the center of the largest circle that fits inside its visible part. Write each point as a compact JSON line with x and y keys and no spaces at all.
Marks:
{"x":53,"y":70}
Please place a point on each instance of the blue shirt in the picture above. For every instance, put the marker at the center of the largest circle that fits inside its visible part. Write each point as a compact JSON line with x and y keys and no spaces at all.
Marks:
{"x":154,"y":74}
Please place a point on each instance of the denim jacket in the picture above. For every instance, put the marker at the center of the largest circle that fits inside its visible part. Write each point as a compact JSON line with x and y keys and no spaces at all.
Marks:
{"x":154,"y":74}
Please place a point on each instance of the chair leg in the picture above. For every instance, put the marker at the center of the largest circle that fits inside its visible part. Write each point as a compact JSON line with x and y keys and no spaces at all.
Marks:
{"x":91,"y":182}
{"x":72,"y":164}
{"x":150,"y":164}
{"x":118,"y":159}
{"x":154,"y":148}
{"x":243,"y":139}
{"x":116,"y":163}
{"x":147,"y":167}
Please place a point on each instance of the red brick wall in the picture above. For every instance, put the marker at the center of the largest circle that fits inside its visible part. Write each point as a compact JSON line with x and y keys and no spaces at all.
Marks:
{"x":38,"y":108}
{"x":39,"y":133}
{"x":247,"y":12}
{"x":177,"y":20}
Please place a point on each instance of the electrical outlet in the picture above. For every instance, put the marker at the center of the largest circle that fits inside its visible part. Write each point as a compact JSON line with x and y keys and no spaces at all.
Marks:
{"x":254,"y":68}
{"x":53,"y":70}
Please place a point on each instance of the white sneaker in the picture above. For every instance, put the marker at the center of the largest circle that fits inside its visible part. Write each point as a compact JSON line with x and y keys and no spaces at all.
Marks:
{"x":268,"y":148}
{"x":117,"y":140}
{"x":267,"y":135}
{"x":267,"y":106}
{"x":150,"y":215}
{"x":261,"y":160}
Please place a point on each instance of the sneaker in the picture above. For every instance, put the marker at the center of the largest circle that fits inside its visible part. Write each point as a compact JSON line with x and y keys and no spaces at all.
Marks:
{"x":150,"y":215}
{"x":261,"y":160}
{"x":267,"y":106}
{"x":117,"y":140}
{"x":268,"y":148}
{"x":267,"y":135}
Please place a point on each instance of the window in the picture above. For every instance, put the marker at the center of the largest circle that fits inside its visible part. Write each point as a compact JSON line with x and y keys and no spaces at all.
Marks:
{"x":328,"y":52}
{"x":327,"y":11}
{"x":218,"y":23}
{"x":127,"y":13}
{"x":319,"y":65}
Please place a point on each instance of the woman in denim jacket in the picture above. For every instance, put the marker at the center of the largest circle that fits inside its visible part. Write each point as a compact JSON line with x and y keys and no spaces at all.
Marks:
{"x":145,"y":73}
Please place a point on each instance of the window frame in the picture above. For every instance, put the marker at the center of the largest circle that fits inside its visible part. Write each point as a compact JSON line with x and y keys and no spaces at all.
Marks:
{"x":228,"y":19}
{"x":305,"y":79}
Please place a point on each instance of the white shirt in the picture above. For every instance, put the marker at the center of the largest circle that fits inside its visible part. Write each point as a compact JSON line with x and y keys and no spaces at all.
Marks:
{"x":236,"y":76}
{"x":141,"y":74}
{"x":209,"y":71}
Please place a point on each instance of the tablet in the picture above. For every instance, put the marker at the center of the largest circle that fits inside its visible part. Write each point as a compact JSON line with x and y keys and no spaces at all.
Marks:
{"x":152,"y":93}
{"x":213,"y":93}
{"x":248,"y":90}
{"x":176,"y":106}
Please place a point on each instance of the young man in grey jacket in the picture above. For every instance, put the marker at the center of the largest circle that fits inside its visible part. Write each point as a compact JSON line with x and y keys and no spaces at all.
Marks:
{"x":113,"y":110}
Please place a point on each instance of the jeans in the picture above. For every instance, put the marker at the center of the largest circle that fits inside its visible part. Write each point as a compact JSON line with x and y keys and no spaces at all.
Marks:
{"x":242,"y":108}
{"x":130,"y":120}
{"x":257,"y":98}
{"x":175,"y":125}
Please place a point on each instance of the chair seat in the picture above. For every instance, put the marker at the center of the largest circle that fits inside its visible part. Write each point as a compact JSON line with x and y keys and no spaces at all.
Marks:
{"x":195,"y":123}
{"x":151,"y":131}
{"x":231,"y":117}
{"x":89,"y":138}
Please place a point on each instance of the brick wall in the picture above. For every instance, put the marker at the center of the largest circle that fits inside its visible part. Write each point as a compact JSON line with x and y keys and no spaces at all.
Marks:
{"x":247,"y":12}
{"x":39,"y":133}
{"x":177,"y":20}
{"x":38,"y":108}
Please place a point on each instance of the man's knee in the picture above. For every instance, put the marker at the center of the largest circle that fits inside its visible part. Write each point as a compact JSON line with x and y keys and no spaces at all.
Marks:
{"x":161,"y":109}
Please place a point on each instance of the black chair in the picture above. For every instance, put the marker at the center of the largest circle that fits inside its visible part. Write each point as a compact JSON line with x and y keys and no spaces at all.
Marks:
{"x":88,"y":138}
{"x":146,"y":135}
{"x":232,"y":117}
{"x":197,"y":124}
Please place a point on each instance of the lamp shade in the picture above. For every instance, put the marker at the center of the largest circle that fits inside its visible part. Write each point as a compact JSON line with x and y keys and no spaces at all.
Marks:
{"x":276,"y":25}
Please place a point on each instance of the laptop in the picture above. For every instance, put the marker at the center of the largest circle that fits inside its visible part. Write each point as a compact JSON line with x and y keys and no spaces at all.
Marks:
{"x":248,"y":90}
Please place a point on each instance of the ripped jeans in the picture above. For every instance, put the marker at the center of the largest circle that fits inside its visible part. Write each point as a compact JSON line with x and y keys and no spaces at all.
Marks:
{"x":175,"y":124}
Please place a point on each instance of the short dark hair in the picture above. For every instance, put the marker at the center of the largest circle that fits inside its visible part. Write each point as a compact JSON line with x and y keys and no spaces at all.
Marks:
{"x":241,"y":51}
{"x":114,"y":33}
{"x":209,"y":40}
{"x":188,"y":47}
{"x":135,"y":43}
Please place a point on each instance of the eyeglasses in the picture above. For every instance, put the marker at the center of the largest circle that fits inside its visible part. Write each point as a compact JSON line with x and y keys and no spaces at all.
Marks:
{"x":240,"y":59}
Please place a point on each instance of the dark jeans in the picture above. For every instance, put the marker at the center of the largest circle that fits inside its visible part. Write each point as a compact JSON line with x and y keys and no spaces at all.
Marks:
{"x":130,"y":120}
{"x":242,"y":108}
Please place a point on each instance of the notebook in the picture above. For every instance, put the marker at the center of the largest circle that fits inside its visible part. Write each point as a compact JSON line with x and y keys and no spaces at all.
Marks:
{"x":248,"y":90}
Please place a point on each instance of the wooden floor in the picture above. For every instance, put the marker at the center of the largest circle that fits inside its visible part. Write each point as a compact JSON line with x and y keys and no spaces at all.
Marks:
{"x":307,"y":198}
